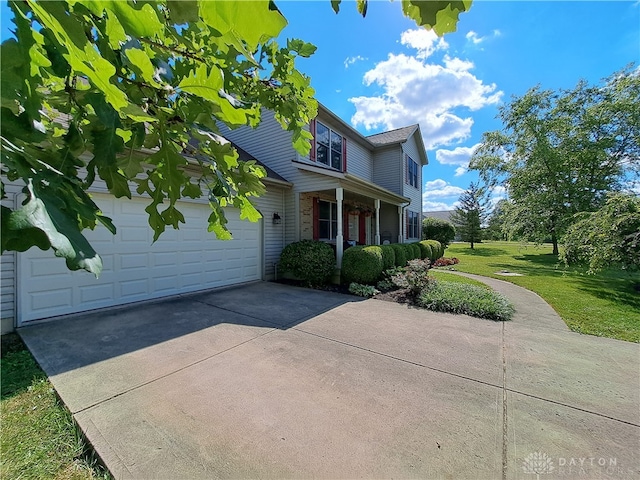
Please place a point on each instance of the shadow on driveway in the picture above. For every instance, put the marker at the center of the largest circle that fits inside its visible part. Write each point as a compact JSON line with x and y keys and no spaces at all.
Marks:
{"x":180,"y":329}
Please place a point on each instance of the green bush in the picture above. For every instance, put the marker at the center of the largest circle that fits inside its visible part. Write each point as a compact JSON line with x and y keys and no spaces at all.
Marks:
{"x":436,"y":249}
{"x":308,"y":260}
{"x":437,"y":229}
{"x":401,"y":254}
{"x":425,"y":250}
{"x":417,"y":253}
{"x":362,"y":265}
{"x":467,"y":299}
{"x":408,"y":251}
{"x":388,"y":257}
{"x":363,"y":290}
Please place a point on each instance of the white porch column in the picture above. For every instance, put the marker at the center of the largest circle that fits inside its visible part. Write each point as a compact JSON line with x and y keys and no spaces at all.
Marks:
{"x":401,"y":224}
{"x":377,"y":234}
{"x":340,"y":234}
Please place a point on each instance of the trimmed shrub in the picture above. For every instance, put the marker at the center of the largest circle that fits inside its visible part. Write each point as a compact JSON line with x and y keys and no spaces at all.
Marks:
{"x":425,"y":250}
{"x":401,"y":254}
{"x":417,"y":253}
{"x":408,"y":251}
{"x":308,"y":260}
{"x":436,"y":249}
{"x":362,"y":265}
{"x":437,"y":229}
{"x":388,"y":257}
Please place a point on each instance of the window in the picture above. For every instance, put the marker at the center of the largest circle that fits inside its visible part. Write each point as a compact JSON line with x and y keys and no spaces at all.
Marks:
{"x":412,"y":172}
{"x":330,"y":147}
{"x":413,"y":225}
{"x":327,"y":220}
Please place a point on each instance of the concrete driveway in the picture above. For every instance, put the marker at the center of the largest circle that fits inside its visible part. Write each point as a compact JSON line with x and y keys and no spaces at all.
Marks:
{"x":266,"y":380}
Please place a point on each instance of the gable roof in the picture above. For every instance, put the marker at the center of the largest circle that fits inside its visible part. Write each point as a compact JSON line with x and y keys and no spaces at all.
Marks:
{"x":399,"y":135}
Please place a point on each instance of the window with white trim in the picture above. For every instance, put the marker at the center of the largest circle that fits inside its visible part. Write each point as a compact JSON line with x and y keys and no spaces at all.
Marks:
{"x":327,"y":220}
{"x":329,"y":147}
{"x":413,"y":224}
{"x":412,"y":172}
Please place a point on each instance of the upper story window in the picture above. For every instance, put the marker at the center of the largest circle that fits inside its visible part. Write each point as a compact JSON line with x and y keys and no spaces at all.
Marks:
{"x":412,"y":172}
{"x":330,"y":147}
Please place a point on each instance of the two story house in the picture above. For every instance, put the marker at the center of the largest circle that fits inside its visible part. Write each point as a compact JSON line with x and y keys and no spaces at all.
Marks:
{"x":350,"y":189}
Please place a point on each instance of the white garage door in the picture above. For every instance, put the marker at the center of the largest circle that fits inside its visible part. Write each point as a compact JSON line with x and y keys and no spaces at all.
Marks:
{"x":134,"y":269}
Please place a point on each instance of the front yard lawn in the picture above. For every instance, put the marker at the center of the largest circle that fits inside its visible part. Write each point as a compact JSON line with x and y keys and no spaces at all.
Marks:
{"x":39,"y":438}
{"x":606,"y":304}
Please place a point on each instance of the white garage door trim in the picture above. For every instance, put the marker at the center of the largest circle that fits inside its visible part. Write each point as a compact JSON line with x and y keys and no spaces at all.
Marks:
{"x":181,"y":261}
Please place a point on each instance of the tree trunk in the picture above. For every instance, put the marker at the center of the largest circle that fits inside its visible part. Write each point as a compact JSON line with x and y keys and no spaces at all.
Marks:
{"x":554,"y":240}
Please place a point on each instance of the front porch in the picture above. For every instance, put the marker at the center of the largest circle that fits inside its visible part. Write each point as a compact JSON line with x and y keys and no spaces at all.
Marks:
{"x":346,"y":217}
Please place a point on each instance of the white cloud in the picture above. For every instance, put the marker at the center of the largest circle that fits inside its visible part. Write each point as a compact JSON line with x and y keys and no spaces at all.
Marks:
{"x":441,"y":189}
{"x":459,"y":157}
{"x":415,"y":91}
{"x":474,"y":38}
{"x":438,"y":206}
{"x":351,"y":60}
{"x":423,"y":40}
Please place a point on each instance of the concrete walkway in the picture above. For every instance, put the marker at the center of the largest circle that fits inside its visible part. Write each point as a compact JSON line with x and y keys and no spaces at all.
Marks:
{"x":267,"y":380}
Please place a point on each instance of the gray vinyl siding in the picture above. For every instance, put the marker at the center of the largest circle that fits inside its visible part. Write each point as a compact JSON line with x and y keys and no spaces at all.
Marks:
{"x":387,"y":169}
{"x":8,"y":270}
{"x":415,"y":194}
{"x":268,"y":143}
{"x":274,"y":235}
{"x":359,"y":160}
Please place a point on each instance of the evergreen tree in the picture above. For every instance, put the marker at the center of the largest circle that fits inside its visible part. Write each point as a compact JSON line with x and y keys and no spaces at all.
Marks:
{"x":470,"y":214}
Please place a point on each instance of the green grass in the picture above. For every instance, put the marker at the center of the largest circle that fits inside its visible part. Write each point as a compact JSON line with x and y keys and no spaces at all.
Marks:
{"x":605,"y":304}
{"x":39,"y":438}
{"x":443,"y":275}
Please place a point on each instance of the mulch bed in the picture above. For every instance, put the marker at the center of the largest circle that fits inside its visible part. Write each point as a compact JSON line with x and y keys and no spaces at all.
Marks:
{"x":396,"y":296}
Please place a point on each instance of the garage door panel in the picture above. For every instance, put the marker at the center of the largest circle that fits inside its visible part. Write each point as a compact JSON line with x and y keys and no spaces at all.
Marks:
{"x":135,"y":269}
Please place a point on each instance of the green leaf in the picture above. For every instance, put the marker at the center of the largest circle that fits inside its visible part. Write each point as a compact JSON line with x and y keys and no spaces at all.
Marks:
{"x":44,"y":217}
{"x":183,"y":11}
{"x":254,"y":21}
{"x":439,"y":15}
{"x":106,"y":146}
{"x":362,"y":7}
{"x":141,"y":61}
{"x":143,"y":22}
{"x":203,"y":83}
{"x":335,"y":4}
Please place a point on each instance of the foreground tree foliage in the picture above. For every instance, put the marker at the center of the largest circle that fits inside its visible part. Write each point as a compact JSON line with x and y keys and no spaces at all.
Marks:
{"x":132,"y":93}
{"x":608,"y":237}
{"x":470,"y":214}
{"x":560,"y":153}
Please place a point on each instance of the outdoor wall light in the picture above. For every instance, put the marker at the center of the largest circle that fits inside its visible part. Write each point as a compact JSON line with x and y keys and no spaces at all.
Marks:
{"x":276,"y":219}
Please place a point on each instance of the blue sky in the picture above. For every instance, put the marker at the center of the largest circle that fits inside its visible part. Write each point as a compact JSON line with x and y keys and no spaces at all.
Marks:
{"x":383,"y":72}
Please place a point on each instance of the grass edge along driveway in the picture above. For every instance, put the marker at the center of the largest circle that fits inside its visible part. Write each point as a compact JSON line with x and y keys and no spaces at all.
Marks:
{"x":605,"y":305}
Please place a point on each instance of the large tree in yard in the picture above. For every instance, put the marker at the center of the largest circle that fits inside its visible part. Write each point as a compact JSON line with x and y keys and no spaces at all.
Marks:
{"x":470,"y":214}
{"x":608,"y":237}
{"x":560,"y":153}
{"x":132,"y":93}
